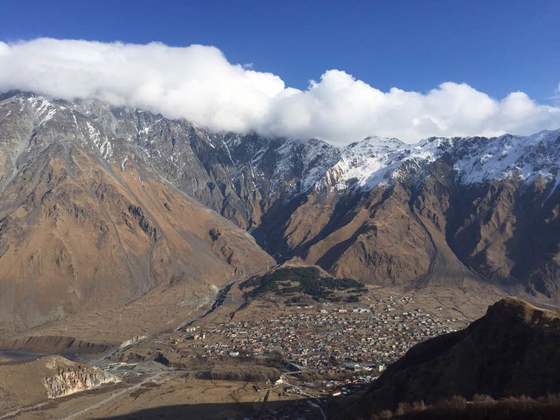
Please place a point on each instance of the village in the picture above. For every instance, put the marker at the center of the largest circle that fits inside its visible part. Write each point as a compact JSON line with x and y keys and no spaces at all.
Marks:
{"x":341,"y":345}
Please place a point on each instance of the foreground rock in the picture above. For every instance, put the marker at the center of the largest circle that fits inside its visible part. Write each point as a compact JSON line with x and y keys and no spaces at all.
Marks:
{"x":510,"y":352}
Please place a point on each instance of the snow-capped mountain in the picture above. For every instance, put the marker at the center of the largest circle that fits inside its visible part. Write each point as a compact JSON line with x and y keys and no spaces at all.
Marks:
{"x":276,"y":165}
{"x":375,"y":160}
{"x":234,"y":174}
{"x":527,"y":157}
{"x":89,"y":223}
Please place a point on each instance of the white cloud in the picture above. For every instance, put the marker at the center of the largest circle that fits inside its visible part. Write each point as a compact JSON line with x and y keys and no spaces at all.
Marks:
{"x":198,"y":83}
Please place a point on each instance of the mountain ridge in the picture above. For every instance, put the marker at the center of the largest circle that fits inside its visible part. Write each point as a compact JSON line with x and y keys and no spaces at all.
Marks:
{"x":378,"y":210}
{"x":80,"y":233}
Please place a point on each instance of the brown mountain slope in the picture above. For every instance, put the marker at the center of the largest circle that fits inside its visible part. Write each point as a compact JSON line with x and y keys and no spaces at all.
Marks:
{"x":391,"y":235}
{"x":510,"y":233}
{"x":443,"y":211}
{"x":77,"y":234}
{"x":511,"y":351}
{"x":427,"y":228}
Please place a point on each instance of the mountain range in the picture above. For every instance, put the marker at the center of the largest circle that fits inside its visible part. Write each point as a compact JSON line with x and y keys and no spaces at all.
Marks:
{"x":99,"y":205}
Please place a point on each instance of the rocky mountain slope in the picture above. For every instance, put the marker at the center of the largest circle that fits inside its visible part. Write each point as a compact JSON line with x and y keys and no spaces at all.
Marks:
{"x":445,"y":210}
{"x":81,"y":230}
{"x":238,"y":176}
{"x":379,"y":210}
{"x":510,"y":352}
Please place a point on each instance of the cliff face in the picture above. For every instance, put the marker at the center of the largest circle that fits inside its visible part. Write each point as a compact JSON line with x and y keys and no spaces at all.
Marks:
{"x":74,"y":379}
{"x":511,"y":351}
{"x":508,"y":232}
{"x":27,"y":383}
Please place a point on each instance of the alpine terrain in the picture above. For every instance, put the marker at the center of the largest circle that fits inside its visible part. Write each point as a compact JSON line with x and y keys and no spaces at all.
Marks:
{"x":445,"y":210}
{"x":142,"y":256}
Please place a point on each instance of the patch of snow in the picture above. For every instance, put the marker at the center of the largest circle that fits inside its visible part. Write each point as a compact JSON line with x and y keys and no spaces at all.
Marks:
{"x":373,"y":161}
{"x":102,"y":143}
{"x":75,"y":120}
{"x":227,"y":150}
{"x":43,"y":108}
{"x":377,"y":161}
{"x":529,"y":157}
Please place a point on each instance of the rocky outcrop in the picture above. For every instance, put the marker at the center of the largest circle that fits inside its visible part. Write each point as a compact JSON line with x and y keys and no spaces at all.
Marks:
{"x":74,"y":379}
{"x":28,"y":383}
{"x":511,"y":351}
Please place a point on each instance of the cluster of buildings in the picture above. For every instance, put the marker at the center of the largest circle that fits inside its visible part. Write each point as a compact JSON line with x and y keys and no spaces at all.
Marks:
{"x":336,"y":342}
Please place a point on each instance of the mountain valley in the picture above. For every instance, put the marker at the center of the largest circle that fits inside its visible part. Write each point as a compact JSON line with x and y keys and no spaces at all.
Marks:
{"x":280,"y":276}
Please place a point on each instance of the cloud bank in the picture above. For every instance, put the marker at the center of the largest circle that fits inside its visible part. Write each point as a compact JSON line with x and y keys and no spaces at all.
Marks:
{"x":198,"y":83}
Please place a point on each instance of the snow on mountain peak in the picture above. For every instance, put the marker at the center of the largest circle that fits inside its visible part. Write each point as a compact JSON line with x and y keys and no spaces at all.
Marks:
{"x":377,"y":160}
{"x":526,"y":157}
{"x":303,"y":164}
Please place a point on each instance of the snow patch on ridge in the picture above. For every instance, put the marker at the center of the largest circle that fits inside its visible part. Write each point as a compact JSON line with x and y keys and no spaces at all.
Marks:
{"x":480,"y":159}
{"x":43,"y":108}
{"x":378,"y":161}
{"x":102,"y":143}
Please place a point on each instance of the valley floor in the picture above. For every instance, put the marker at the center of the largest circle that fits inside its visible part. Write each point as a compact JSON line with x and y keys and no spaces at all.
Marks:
{"x":220,"y":366}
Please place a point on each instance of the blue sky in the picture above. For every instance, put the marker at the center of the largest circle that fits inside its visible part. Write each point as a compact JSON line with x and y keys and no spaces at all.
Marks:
{"x":495,"y":46}
{"x":460,"y":68}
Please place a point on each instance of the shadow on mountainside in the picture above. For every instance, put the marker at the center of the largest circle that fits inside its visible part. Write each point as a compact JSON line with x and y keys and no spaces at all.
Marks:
{"x":481,"y":408}
{"x":303,"y":408}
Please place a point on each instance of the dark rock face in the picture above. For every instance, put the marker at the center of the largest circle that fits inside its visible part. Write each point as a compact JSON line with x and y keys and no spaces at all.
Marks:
{"x":511,"y":351}
{"x":509,"y":232}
